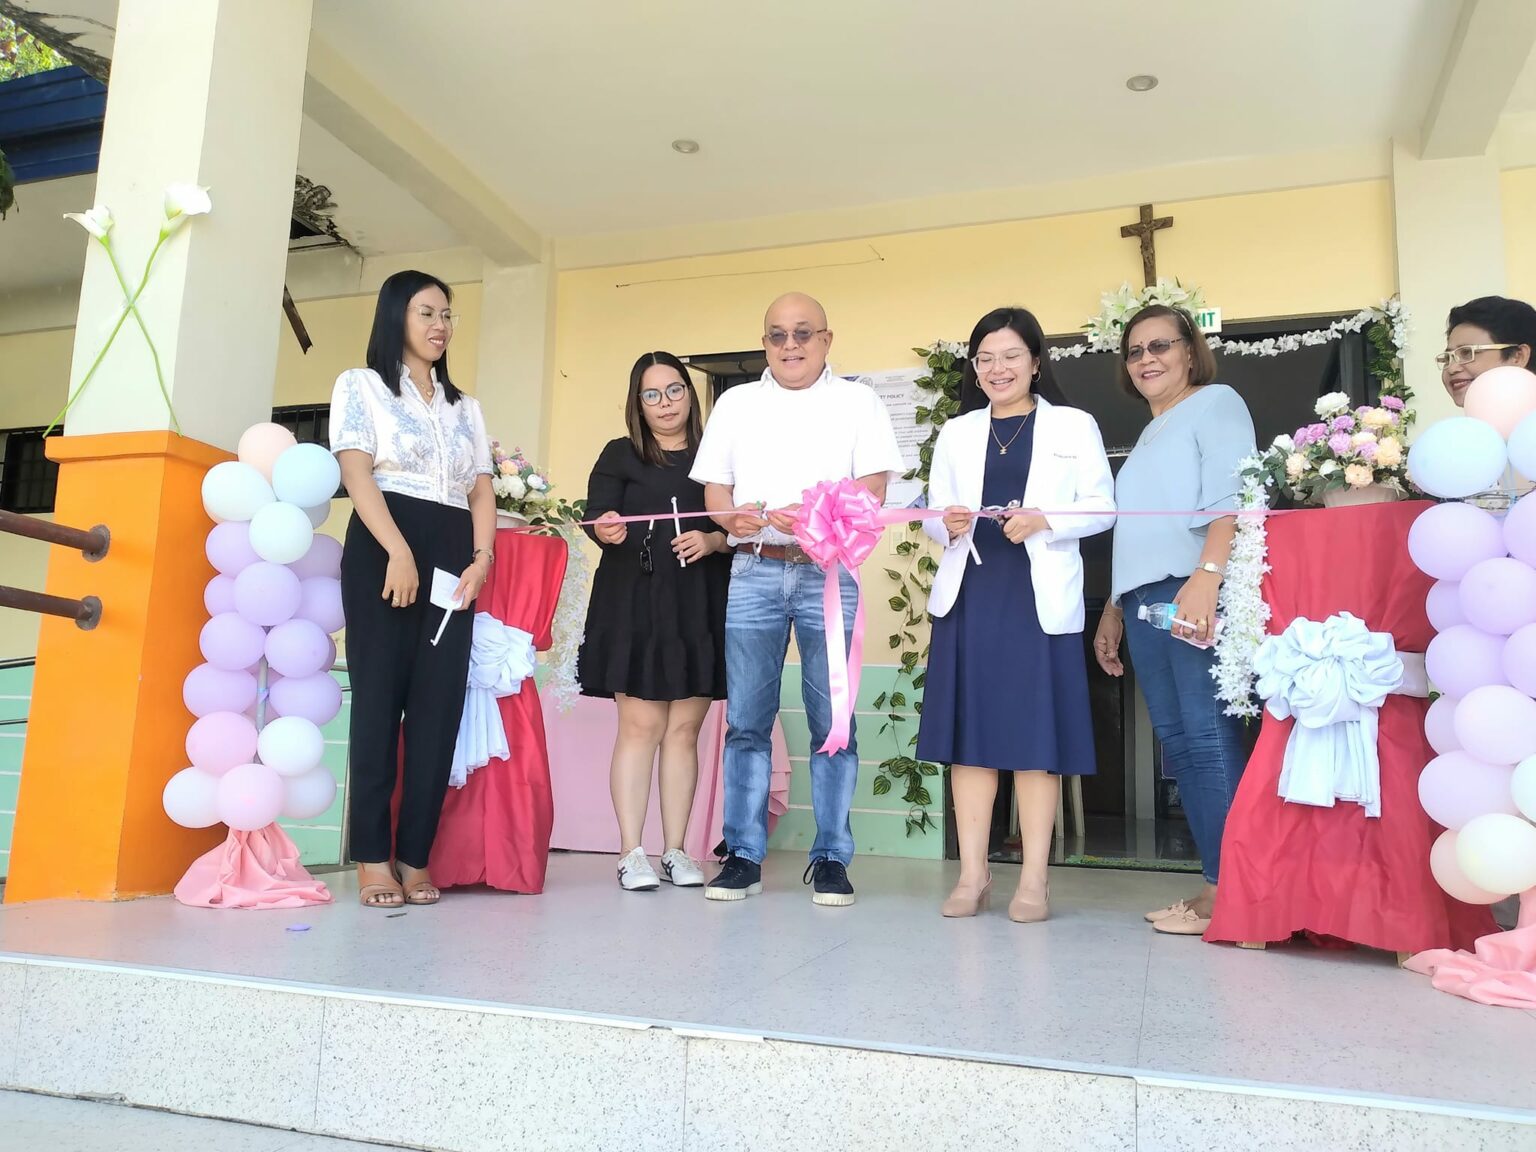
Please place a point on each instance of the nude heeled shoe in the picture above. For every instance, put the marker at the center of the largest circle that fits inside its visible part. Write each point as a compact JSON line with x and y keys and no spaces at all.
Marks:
{"x":1022,"y":911}
{"x":957,"y":905}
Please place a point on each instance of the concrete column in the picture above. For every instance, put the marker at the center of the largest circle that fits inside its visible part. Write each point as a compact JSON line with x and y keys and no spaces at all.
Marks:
{"x":516,"y":359}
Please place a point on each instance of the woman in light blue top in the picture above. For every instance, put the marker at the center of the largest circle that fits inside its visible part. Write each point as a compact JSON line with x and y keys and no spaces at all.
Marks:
{"x":1185,"y":465}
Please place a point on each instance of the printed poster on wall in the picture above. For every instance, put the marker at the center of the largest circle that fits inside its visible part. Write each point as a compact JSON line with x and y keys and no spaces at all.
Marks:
{"x":899,"y":392}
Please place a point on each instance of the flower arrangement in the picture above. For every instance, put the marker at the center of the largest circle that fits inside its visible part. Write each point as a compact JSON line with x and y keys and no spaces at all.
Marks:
{"x":1115,"y":308}
{"x":523,"y":489}
{"x":1343,"y":448}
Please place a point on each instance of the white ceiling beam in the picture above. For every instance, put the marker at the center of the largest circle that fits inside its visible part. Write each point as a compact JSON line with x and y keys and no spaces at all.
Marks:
{"x":1492,"y":43}
{"x":362,"y":116}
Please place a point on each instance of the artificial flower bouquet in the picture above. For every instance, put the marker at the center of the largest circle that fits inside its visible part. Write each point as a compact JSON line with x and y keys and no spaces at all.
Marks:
{"x":523,"y":490}
{"x":1345,"y":448}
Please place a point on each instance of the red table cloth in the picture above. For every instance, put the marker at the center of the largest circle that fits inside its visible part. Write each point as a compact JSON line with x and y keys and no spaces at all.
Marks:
{"x":1334,"y":872}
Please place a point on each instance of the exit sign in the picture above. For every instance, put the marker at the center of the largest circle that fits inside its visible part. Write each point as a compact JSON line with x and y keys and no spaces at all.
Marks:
{"x":1208,"y":320}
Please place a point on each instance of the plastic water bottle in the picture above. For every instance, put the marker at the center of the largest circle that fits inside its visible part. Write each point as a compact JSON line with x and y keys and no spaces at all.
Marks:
{"x":1165,"y":616}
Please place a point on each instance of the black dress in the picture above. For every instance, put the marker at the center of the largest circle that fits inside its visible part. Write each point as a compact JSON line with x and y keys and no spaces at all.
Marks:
{"x":656,"y":634}
{"x":1000,"y":692}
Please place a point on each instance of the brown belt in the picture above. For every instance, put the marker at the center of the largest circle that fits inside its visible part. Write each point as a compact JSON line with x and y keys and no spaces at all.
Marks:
{"x":788,"y":553}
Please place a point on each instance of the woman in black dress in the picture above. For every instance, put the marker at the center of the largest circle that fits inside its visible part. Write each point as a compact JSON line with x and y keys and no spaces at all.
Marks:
{"x":655,"y":636}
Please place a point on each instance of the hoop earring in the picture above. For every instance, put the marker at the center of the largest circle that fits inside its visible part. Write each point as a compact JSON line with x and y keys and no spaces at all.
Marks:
{"x":1035,"y":379}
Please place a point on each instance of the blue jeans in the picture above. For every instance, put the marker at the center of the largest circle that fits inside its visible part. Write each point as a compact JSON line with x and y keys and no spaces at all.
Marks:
{"x":766,"y":597}
{"x":1202,"y":746}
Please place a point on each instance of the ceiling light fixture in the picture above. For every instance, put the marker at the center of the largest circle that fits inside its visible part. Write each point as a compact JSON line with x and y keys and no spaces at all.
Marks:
{"x":1142,"y":83}
{"x":686,"y":147}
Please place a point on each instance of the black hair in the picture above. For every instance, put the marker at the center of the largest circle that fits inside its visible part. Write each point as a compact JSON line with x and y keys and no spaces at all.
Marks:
{"x":1022,"y":322}
{"x":640,"y":434}
{"x":1507,"y":321}
{"x":386,"y":343}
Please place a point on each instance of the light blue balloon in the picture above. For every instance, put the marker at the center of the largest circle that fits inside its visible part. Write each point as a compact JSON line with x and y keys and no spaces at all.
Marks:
{"x":306,"y":475}
{"x":1456,"y":458}
{"x":1522,"y":447}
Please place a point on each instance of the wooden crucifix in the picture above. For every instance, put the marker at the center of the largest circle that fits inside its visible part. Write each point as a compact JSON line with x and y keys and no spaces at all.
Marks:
{"x":1143,"y":231}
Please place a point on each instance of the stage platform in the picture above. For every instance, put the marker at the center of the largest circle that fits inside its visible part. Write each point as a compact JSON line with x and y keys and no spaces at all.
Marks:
{"x":589,"y":1018}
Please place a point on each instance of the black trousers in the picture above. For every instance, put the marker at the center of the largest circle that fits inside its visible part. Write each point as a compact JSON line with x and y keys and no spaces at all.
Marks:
{"x":398,"y":677}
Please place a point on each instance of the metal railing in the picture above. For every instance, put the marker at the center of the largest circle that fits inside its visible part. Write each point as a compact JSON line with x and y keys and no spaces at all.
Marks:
{"x":91,"y":543}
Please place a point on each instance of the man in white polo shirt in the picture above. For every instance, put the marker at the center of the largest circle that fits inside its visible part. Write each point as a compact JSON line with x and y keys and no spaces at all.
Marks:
{"x":765,"y":444}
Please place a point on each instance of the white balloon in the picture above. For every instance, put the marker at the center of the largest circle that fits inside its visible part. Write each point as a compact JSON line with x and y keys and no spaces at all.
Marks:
{"x":290,"y":745}
{"x":1455,"y":458}
{"x":191,"y":799}
{"x":281,"y":533}
{"x":1497,"y":853}
{"x":1523,"y":785}
{"x":319,"y":514}
{"x":235,"y":491}
{"x":306,"y":475}
{"x":1522,"y":447}
{"x":309,"y":795}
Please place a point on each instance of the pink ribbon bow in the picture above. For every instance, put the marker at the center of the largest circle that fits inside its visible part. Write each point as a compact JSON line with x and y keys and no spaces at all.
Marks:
{"x":840,"y":523}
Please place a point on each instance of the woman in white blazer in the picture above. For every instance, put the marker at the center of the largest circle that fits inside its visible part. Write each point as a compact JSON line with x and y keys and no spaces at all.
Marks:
{"x":1007,"y":680}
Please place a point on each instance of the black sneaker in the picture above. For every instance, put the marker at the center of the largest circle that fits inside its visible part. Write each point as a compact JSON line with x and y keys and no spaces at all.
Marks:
{"x":736,"y":880}
{"x":829,"y":883}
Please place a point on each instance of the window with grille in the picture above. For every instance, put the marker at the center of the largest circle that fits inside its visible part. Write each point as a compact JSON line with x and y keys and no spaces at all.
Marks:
{"x":28,"y":479}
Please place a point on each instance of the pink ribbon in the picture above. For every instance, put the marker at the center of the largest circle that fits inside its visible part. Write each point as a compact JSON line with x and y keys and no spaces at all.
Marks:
{"x":839,"y":524}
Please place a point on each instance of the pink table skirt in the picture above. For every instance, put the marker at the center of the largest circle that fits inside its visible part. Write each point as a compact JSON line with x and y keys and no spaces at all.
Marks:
{"x":580,"y":747}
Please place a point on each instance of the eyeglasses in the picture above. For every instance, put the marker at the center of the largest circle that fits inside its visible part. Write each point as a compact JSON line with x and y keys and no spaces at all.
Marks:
{"x":1156,"y":347}
{"x":1009,"y":359}
{"x":1466,"y":353}
{"x":647,"y":565}
{"x":431,"y":316}
{"x":651,"y":397}
{"x":803,"y":336}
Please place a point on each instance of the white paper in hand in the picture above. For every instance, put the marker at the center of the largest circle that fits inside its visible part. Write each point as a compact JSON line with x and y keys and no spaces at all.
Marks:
{"x":444,"y":585}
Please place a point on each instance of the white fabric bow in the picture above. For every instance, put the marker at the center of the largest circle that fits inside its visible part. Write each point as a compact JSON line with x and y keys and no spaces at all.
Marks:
{"x":500,"y":659}
{"x":1332,"y":677}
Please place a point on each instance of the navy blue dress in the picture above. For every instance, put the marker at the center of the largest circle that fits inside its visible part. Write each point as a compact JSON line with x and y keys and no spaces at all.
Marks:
{"x":1000,"y":693}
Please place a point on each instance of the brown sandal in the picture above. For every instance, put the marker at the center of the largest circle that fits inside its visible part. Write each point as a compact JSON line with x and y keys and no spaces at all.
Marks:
{"x":368,"y":892}
{"x":415,"y":890}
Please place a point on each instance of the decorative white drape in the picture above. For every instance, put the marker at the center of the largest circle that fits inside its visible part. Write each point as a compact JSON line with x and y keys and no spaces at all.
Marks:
{"x":500,"y":659}
{"x":1332,"y":677}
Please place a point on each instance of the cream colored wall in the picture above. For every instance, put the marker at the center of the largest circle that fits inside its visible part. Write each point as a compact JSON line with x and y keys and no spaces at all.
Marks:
{"x":1518,"y":188}
{"x":34,"y":375}
{"x":1284,"y":253}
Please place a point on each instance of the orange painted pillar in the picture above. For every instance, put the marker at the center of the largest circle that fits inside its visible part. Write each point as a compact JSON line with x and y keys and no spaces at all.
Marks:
{"x":107,"y":725}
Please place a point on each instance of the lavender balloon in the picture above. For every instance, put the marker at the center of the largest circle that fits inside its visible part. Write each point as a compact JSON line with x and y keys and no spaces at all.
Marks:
{"x":232,"y":642}
{"x":1497,"y":725}
{"x":1447,"y":540}
{"x":221,"y":740}
{"x":321,"y":603}
{"x":209,"y":689}
{"x":1520,"y":530}
{"x":1456,"y":788}
{"x":1440,"y":726}
{"x":219,"y":595}
{"x":1519,"y":660}
{"x":1443,"y":605}
{"x":316,"y":698}
{"x":1462,"y":658}
{"x":298,"y":648}
{"x":229,"y":547}
{"x":267,"y":594}
{"x":1499,"y":596}
{"x":322,"y":559}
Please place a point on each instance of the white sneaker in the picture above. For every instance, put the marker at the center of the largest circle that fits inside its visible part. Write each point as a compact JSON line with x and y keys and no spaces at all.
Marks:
{"x":681,"y":869}
{"x":636,"y":873}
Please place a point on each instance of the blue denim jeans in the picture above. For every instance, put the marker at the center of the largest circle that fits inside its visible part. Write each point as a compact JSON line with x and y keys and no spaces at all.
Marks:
{"x":1203,"y":747}
{"x":766,"y":597}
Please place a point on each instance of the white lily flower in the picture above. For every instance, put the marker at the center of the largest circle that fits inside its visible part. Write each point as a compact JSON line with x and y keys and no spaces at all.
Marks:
{"x":98,"y":221}
{"x":182,"y":201}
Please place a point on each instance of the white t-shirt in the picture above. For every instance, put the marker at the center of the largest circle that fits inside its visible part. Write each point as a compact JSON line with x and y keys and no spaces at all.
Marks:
{"x":771,"y":443}
{"x":430,"y":451}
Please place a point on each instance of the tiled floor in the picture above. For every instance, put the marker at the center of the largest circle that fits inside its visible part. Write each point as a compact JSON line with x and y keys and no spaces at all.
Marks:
{"x":36,"y":1123}
{"x":1093,"y":988}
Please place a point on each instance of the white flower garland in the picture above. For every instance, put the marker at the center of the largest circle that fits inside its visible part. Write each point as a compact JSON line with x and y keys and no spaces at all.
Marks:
{"x":570,"y":623}
{"x":1241,"y":601}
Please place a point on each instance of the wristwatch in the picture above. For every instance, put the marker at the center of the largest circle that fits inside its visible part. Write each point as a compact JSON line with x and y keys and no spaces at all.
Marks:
{"x":1219,"y":572}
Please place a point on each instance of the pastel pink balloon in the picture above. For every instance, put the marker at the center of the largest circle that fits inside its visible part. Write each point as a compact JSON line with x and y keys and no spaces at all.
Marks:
{"x":1463,"y":658}
{"x":231,"y":641}
{"x":1446,"y":540}
{"x":316,"y":698}
{"x":320,"y":602}
{"x":219,"y":595}
{"x":1499,"y":595}
{"x":1456,"y":788}
{"x":1497,"y":724}
{"x":261,"y":444}
{"x":1443,"y":605}
{"x":298,"y":648}
{"x":209,"y":689}
{"x":1440,"y":726}
{"x":1447,"y":872}
{"x":1502,"y":396}
{"x":219,"y":741}
{"x":1520,"y":529}
{"x":267,"y":594}
{"x":250,"y":797}
{"x":1519,"y":660}
{"x":228,"y":547}
{"x":322,"y":559}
